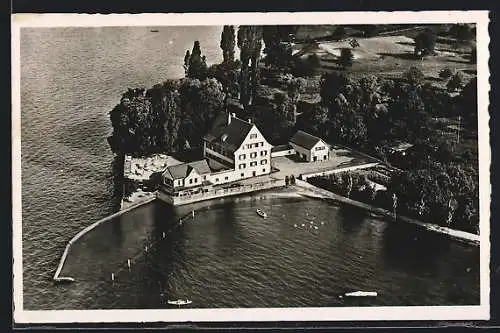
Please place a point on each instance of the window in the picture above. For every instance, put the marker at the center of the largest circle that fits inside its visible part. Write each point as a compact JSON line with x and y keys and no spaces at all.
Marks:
{"x":190,"y":181}
{"x":196,"y":180}
{"x":261,"y":144}
{"x":264,"y":170}
{"x":242,"y":175}
{"x":253,"y":155}
{"x":242,"y":166}
{"x":249,"y":146}
{"x":256,"y":145}
{"x":225,"y":178}
{"x":253,"y":136}
{"x":263,"y":162}
{"x":216,"y":179}
{"x":242,"y":156}
{"x":204,"y":177}
{"x":253,"y":163}
{"x":263,"y":153}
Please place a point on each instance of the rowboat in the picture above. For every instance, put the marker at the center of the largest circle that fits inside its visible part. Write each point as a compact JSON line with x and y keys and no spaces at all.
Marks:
{"x":180,"y":302}
{"x":261,"y":213}
{"x":361,"y":294}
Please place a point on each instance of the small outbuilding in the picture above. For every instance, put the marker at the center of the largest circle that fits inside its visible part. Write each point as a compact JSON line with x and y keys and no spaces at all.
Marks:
{"x":310,"y":148}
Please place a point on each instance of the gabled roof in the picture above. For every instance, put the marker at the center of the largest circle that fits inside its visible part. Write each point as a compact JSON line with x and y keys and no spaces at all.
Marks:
{"x":181,"y":171}
{"x":281,"y":148}
{"x":231,"y":135}
{"x":305,"y":140}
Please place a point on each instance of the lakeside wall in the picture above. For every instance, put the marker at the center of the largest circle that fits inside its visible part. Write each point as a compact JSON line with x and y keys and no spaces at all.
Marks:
{"x":316,"y":192}
{"x":57,"y":276}
{"x":220,"y":192}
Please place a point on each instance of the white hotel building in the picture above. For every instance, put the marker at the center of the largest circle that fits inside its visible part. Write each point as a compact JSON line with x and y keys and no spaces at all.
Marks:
{"x":234,"y":149}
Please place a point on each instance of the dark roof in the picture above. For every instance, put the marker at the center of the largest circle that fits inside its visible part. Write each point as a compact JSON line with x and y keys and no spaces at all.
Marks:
{"x":305,"y":140}
{"x":180,"y":171}
{"x":281,"y":148}
{"x":233,"y":134}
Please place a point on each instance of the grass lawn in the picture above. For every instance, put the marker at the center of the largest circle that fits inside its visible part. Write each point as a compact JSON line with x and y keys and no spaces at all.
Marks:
{"x":390,"y":56}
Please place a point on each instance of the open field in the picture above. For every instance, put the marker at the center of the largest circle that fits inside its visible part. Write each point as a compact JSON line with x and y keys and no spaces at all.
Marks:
{"x":390,"y":56}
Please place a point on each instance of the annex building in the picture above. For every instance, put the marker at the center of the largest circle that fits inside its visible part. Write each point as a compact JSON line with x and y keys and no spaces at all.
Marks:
{"x":309,"y":148}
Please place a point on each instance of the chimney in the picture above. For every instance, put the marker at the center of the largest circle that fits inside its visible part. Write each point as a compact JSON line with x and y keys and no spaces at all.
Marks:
{"x":249,"y":120}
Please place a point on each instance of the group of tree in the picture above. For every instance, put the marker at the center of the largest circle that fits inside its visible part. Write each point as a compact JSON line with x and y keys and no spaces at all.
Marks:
{"x":370,"y":111}
{"x":462,"y":32}
{"x":277,"y":118}
{"x":278,"y":45}
{"x":445,"y":194}
{"x":168,"y":117}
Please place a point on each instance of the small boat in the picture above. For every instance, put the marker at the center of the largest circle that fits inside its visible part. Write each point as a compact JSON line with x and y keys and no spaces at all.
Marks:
{"x":361,"y":294}
{"x":261,"y":213}
{"x":154,"y":30}
{"x":180,"y":302}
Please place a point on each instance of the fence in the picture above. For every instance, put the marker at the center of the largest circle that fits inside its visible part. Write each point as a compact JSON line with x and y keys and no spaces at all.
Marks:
{"x":328,"y":172}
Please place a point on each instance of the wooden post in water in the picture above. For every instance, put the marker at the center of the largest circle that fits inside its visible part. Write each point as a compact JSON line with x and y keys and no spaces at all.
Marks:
{"x":193,"y":213}
{"x":113,"y":277}
{"x":128,"y":264}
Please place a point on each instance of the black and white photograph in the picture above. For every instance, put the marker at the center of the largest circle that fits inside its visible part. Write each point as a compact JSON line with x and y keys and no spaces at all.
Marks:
{"x":250,"y":167}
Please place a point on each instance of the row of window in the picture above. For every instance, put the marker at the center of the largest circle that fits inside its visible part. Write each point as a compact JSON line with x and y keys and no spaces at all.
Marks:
{"x":225,"y":178}
{"x":320,"y":148}
{"x":254,"y":145}
{"x":252,"y":164}
{"x":253,"y":155}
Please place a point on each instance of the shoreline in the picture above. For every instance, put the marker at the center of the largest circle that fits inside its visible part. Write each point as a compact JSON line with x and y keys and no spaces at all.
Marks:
{"x":301,"y":188}
{"x":312,"y":191}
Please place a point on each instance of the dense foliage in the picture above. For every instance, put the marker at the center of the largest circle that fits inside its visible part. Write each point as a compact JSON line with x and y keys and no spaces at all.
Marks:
{"x":165,"y":118}
{"x":439,"y":184}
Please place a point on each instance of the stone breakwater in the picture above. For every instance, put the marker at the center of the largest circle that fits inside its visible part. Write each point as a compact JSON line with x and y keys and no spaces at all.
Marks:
{"x":309,"y":190}
{"x":57,"y":275}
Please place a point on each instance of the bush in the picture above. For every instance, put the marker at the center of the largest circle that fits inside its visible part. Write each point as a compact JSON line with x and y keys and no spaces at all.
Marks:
{"x":414,"y":76}
{"x":307,"y":66}
{"x":456,"y":82}
{"x":346,"y":57}
{"x":446,"y":73}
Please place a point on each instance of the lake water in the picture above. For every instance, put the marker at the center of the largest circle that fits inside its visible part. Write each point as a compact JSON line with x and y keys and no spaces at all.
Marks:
{"x":227,"y":256}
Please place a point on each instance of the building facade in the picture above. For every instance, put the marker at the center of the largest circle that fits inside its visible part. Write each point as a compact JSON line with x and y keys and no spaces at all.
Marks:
{"x":236,"y":149}
{"x":310,"y":148}
{"x":186,"y":177}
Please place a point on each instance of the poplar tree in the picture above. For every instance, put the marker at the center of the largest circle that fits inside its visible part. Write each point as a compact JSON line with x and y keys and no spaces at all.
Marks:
{"x":227,"y":44}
